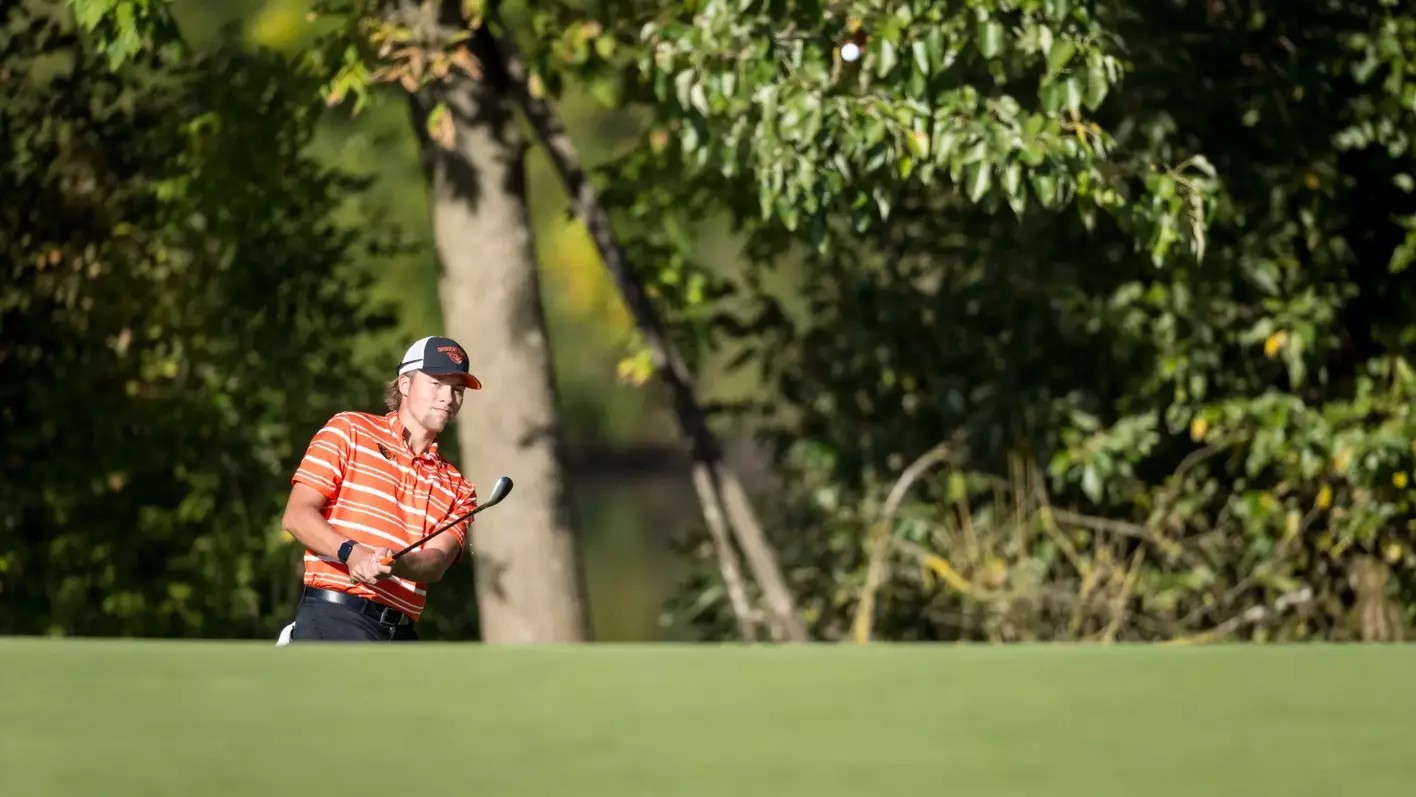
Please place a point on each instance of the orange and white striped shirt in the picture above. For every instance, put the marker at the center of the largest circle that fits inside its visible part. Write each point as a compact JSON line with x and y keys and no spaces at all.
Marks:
{"x":380,"y":494}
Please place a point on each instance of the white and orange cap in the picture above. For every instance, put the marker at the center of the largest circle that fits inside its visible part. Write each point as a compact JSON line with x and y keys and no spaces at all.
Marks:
{"x":439,"y":357}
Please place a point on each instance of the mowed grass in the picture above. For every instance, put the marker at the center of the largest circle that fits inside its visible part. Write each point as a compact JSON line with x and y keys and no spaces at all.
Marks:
{"x":119,"y":718}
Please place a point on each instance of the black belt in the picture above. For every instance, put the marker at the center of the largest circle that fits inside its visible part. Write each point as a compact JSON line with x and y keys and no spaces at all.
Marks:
{"x":383,"y":614}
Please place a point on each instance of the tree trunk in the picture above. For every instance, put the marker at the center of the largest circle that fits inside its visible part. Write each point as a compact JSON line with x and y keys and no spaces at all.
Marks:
{"x":530,"y":584}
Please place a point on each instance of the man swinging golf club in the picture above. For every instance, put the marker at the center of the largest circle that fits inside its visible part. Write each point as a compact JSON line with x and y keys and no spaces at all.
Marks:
{"x":381,"y":514}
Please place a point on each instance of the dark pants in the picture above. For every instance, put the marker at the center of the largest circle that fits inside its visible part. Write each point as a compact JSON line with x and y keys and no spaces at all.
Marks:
{"x":318,"y":621}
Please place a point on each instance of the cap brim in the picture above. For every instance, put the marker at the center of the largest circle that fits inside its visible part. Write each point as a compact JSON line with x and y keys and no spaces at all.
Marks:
{"x":467,"y":379}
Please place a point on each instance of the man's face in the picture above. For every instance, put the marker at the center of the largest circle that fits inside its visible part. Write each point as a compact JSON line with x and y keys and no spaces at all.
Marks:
{"x":432,"y":401}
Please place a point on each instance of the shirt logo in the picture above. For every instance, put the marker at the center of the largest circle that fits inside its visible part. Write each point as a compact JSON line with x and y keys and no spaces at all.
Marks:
{"x":386,"y":454}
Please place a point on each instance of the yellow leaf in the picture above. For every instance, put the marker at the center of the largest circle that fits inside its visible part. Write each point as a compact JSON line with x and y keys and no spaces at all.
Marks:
{"x":1394,"y":552}
{"x":636,"y":368}
{"x":440,"y":126}
{"x":1274,"y":344}
{"x":1198,"y":427}
{"x":1398,"y":479}
{"x":1341,"y":459}
{"x":1324,"y":497}
{"x":946,"y":572}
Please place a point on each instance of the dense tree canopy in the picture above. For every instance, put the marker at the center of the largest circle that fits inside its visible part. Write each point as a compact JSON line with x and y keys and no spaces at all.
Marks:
{"x":1063,"y":319}
{"x":178,"y":314}
{"x":1141,"y":272}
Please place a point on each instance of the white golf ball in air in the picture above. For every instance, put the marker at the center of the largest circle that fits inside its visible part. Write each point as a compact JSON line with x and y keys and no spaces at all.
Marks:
{"x":850,"y":51}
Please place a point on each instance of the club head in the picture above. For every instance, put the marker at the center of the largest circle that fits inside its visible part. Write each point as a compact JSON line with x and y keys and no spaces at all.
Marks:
{"x":499,"y":491}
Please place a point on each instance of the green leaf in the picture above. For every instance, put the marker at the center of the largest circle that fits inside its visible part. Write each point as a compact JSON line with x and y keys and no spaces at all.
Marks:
{"x":1051,"y":95}
{"x":768,"y":99}
{"x":921,"y":55}
{"x":683,"y":84}
{"x":945,"y":138}
{"x":906,"y":167}
{"x":918,"y":143}
{"x":882,"y":201}
{"x":1045,"y":186}
{"x":982,"y":179}
{"x":1097,"y":86}
{"x":888,"y":58}
{"x":990,"y":38}
{"x":975,"y":153}
{"x":1072,"y":93}
{"x":1091,"y":483}
{"x":1012,"y":178}
{"x":1059,"y":56}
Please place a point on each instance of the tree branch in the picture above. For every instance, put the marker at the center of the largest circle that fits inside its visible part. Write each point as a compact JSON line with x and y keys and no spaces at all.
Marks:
{"x":1254,"y":614}
{"x":880,"y":539}
{"x":719,"y":490}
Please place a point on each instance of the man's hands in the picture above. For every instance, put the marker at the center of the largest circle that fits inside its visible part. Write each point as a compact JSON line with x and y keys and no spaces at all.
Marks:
{"x":366,"y":565}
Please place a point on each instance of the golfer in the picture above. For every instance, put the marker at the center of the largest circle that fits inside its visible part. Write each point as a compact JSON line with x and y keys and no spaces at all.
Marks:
{"x":371,"y":484}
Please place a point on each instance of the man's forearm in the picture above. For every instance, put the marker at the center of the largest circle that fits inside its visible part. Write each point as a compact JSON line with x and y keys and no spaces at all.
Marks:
{"x":310,"y":528}
{"x":425,"y":566}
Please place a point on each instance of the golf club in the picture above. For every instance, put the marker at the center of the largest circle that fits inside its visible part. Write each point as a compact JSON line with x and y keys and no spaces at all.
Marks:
{"x":499,"y":491}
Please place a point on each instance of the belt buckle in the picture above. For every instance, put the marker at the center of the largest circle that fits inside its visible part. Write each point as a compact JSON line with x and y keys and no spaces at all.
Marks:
{"x":383,"y":615}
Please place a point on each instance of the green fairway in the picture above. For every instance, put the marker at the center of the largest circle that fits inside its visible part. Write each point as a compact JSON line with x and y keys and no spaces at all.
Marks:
{"x":118,"y":718}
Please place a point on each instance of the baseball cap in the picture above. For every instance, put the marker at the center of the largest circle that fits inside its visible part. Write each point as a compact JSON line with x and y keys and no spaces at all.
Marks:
{"x":439,"y":356}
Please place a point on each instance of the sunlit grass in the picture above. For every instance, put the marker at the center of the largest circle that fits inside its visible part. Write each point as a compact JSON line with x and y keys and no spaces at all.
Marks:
{"x":124,"y":718}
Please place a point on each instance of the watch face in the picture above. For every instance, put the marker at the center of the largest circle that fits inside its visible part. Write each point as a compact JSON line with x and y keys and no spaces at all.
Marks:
{"x":345,"y":549}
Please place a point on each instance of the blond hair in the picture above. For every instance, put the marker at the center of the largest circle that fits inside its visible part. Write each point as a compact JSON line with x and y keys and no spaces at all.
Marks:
{"x":393,"y":397}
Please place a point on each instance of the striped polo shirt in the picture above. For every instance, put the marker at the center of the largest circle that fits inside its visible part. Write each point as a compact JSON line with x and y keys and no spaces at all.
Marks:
{"x":380,"y":494}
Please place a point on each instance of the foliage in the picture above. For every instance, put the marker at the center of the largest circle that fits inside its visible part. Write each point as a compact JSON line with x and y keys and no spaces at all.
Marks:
{"x":1179,"y":281}
{"x":178,"y":317}
{"x":1159,"y":255}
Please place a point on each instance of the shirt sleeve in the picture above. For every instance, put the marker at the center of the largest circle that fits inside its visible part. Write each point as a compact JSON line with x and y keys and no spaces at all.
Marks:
{"x":465,"y":503}
{"x":327,"y":457}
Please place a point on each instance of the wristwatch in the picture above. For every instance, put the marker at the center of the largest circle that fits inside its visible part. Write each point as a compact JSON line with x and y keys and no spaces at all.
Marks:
{"x":345,"y":548}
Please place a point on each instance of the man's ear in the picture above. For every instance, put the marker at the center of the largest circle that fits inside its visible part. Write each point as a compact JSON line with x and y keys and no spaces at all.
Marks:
{"x":405,"y":384}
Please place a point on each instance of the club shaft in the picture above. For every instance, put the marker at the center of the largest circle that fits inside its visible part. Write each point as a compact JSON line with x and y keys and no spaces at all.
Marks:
{"x":445,"y":527}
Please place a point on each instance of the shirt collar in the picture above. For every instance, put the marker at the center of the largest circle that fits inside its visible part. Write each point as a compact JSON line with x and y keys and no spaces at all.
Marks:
{"x":395,"y":425}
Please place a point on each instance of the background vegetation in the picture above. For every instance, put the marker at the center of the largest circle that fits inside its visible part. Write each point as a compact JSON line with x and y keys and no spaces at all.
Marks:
{"x":1040,"y":320}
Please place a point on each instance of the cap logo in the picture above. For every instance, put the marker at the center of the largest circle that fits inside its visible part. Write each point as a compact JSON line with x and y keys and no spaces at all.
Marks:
{"x":453,"y":353}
